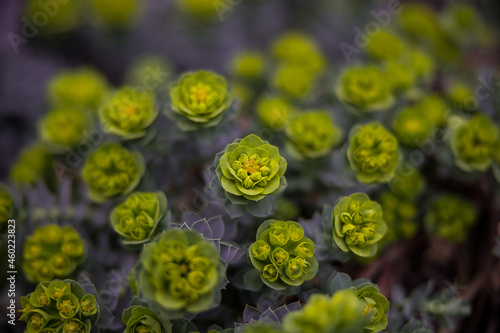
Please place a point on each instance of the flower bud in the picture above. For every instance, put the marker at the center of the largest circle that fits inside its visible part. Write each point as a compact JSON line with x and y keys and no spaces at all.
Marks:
{"x":264,"y":170}
{"x":242,"y":174}
{"x":280,"y":256}
{"x":248,"y":183}
{"x":256,"y":176}
{"x":237,"y":165}
{"x":270,"y":272}
{"x":260,"y":250}
{"x":243,"y":158}
{"x":293,"y":269}
{"x":264,"y":162}
{"x":348,"y":229}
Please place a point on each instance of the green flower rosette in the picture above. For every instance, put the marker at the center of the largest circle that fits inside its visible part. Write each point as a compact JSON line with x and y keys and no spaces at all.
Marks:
{"x":140,"y":217}
{"x":138,"y":319}
{"x":373,"y":153}
{"x":128,"y":113}
{"x":32,"y":164}
{"x":412,"y":127}
{"x":112,"y":170}
{"x":250,"y":170}
{"x":375,"y":308}
{"x":358,"y":225}
{"x":199,"y":100}
{"x":284,"y":257}
{"x":312,"y":135}
{"x":364,"y":90}
{"x":181,"y":272}
{"x":60,"y":306}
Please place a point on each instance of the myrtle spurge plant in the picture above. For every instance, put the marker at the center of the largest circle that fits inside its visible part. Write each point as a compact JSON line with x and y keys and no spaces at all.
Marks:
{"x":375,"y":308}
{"x":412,"y":127}
{"x":200,"y":100}
{"x":181,"y":272}
{"x":52,"y":252}
{"x":364,"y":89}
{"x":283,"y":255}
{"x":6,"y":206}
{"x":139,"y":217}
{"x":128,"y":113}
{"x":384,"y":46}
{"x":474,"y":143}
{"x":450,"y":218}
{"x":59,"y":306}
{"x":64,"y":128}
{"x":312,"y":135}
{"x":274,"y":112}
{"x":139,"y":319}
{"x":112,"y":170}
{"x":248,"y":66}
{"x":83,"y":88}
{"x":373,"y":153}
{"x":31,"y":165}
{"x":358,"y":225}
{"x":250,"y":169}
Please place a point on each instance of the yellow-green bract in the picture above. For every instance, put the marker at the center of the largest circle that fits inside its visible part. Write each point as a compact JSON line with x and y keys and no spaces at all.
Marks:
{"x":52,"y":252}
{"x":375,"y":308}
{"x":450,"y":218}
{"x":137,"y":218}
{"x":139,"y":319}
{"x":128,"y":113}
{"x":112,"y":170}
{"x":252,"y":169}
{"x":283,"y":255}
{"x":373,"y":153}
{"x":342,"y":312}
{"x":248,"y":65}
{"x":312,"y":135}
{"x":358,"y":225}
{"x":384,"y":46}
{"x":201,"y":99}
{"x":181,"y":272}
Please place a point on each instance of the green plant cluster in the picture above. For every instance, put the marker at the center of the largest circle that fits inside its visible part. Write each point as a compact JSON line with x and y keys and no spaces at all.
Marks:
{"x":6,"y":206}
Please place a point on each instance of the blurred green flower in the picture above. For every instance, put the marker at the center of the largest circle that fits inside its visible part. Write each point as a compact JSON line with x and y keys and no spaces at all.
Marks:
{"x":181,"y":272}
{"x":299,"y":49}
{"x":202,"y":10}
{"x":450,"y":218}
{"x":201,"y":99}
{"x":128,"y":113}
{"x":419,"y":21}
{"x":358,"y":225}
{"x":434,"y":108}
{"x":463,"y":23}
{"x":112,"y":170}
{"x":251,"y":168}
{"x":399,"y":75}
{"x":31,"y":165}
{"x":6,"y":206}
{"x":64,"y":128}
{"x":419,"y":62}
{"x":137,"y":218}
{"x":399,"y":215}
{"x":373,"y":153}
{"x":474,"y":143}
{"x":376,"y":306}
{"x":365,"y":88}
{"x":52,"y":251}
{"x":384,"y":45}
{"x":139,"y":319}
{"x":274,"y":112}
{"x":283,"y":255}
{"x":407,"y":183}
{"x":83,"y":88}
{"x":149,"y":71}
{"x":460,"y":95}
{"x":340,"y":313}
{"x":61,"y":20}
{"x":312,"y":135}
{"x":243,"y":93}
{"x":293,"y":81}
{"x":116,"y":14}
{"x":248,"y":65}
{"x":412,"y":127}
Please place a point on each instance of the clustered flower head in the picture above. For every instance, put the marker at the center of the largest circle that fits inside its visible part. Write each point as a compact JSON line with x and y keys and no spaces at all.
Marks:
{"x":83,"y":88}
{"x":375,"y":308}
{"x":52,"y":252}
{"x":293,"y":81}
{"x":139,"y":319}
{"x":31,"y":165}
{"x":399,"y":75}
{"x":312,"y":135}
{"x":116,"y":14}
{"x":399,"y":215}
{"x":283,"y":255}
{"x":128,"y":113}
{"x":461,"y":96}
{"x":248,"y":65}
{"x":434,"y":108}
{"x":200,"y":99}
{"x":364,"y":88}
{"x":64,"y":127}
{"x":373,"y":153}
{"x":384,"y":45}
{"x":66,"y":18}
{"x":450,"y":218}
{"x":407,"y":183}
{"x":474,"y":143}
{"x":138,"y":217}
{"x":112,"y":170}
{"x":6,"y":206}
{"x":181,"y":272}
{"x":358,"y":225}
{"x":274,"y":112}
{"x":251,"y":169}
{"x":342,"y":312}
{"x":412,"y":127}
{"x":59,"y":306}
